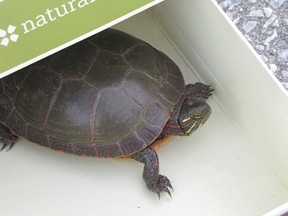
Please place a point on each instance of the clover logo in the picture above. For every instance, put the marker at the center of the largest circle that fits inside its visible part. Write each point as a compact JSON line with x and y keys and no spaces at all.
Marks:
{"x":8,"y":35}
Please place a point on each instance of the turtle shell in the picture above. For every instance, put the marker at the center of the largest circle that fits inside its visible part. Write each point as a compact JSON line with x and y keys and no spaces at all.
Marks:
{"x":107,"y":96}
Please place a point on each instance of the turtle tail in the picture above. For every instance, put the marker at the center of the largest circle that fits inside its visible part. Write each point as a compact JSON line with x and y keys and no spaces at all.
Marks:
{"x":7,"y":138}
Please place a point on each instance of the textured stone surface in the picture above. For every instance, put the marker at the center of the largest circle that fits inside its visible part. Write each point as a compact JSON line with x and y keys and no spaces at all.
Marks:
{"x":264,"y":23}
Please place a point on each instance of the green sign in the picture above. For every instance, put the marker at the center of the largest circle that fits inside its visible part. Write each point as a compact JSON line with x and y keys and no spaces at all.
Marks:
{"x":29,"y":29}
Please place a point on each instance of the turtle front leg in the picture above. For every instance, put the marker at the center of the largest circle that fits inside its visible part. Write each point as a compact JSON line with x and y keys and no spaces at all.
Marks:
{"x":154,"y":181}
{"x":7,"y":138}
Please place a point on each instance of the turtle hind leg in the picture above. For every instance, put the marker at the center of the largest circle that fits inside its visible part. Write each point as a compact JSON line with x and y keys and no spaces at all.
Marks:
{"x":7,"y":138}
{"x":154,"y":181}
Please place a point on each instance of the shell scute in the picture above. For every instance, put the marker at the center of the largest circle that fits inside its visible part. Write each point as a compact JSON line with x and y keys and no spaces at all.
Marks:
{"x":108,"y":71}
{"x":114,"y":41}
{"x":35,"y":94}
{"x":116,"y":117}
{"x":131,"y":143}
{"x":34,"y":136}
{"x":145,"y":59}
{"x":157,"y":115}
{"x":140,"y":88}
{"x":16,"y":122}
{"x":60,"y":145}
{"x":147,"y":132}
{"x":71,"y":112}
{"x":74,"y":62}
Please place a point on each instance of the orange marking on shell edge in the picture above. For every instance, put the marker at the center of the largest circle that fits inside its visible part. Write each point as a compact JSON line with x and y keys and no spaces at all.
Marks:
{"x":172,"y":126}
{"x":157,"y":144}
{"x":60,"y":150}
{"x":83,"y":155}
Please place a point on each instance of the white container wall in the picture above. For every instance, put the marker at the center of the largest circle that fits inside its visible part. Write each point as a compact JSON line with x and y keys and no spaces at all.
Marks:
{"x":233,"y":165}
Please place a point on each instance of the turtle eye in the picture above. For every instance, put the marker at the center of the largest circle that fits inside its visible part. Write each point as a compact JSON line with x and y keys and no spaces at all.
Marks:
{"x":197,"y":116}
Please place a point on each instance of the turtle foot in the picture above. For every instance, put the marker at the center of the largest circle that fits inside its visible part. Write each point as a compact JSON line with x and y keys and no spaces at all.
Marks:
{"x":154,"y":181}
{"x":7,"y":138}
{"x":199,"y":90}
{"x":163,"y":185}
{"x":206,"y":91}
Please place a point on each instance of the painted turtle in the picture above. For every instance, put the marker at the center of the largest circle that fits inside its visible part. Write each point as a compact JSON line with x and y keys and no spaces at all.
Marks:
{"x":111,"y":95}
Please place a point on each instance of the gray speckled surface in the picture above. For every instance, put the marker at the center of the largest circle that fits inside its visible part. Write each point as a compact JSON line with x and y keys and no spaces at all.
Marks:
{"x":264,"y":23}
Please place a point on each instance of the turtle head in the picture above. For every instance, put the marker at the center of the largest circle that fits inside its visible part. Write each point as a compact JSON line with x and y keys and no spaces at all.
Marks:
{"x":194,"y":111}
{"x":193,"y":114}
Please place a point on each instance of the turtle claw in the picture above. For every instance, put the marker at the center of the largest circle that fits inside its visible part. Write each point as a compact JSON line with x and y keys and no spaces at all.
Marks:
{"x":8,"y":140}
{"x":170,"y":186}
{"x":163,"y":185}
{"x":10,"y":144}
{"x":4,"y":146}
{"x":206,"y":91}
{"x":167,"y":191}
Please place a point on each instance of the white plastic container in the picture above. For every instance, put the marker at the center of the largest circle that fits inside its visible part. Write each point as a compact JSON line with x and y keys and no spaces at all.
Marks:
{"x":234,"y":165}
